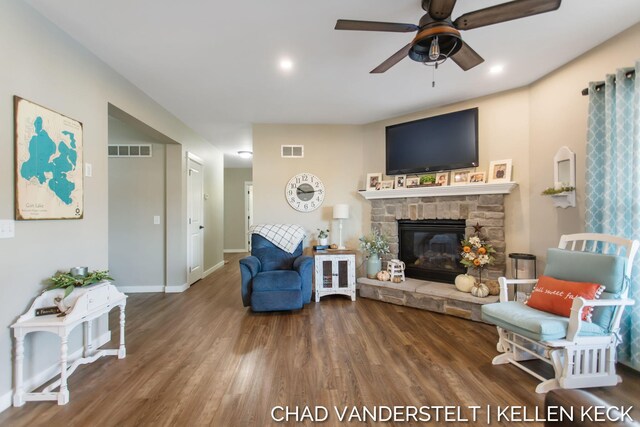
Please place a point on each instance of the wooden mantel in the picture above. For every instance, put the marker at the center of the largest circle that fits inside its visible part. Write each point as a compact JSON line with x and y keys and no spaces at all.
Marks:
{"x":448,"y":190}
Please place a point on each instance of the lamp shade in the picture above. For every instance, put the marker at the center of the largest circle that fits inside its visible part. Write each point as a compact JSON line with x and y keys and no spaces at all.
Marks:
{"x":341,"y":211}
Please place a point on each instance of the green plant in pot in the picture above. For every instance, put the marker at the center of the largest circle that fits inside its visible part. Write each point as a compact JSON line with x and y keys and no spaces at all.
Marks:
{"x":68,"y":282}
{"x":427,"y":179}
{"x":323,"y":236}
{"x":375,"y":244}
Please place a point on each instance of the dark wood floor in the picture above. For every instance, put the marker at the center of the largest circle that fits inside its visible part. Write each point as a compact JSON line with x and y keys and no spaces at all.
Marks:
{"x":200,"y":358}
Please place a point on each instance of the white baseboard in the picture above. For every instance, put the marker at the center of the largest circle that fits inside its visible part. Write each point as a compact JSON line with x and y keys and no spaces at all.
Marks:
{"x":140,"y":289}
{"x":235,"y":251}
{"x":176,"y":289}
{"x":46,"y":375}
{"x":218,"y":266}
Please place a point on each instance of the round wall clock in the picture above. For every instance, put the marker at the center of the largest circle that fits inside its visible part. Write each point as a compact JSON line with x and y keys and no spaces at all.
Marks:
{"x":304,"y":192}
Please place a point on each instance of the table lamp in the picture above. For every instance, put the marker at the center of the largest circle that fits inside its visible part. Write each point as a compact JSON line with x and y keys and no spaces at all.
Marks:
{"x":341,"y":212}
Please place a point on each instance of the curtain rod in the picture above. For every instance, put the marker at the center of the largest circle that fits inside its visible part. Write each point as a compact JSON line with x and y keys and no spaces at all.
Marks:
{"x":629,"y":74}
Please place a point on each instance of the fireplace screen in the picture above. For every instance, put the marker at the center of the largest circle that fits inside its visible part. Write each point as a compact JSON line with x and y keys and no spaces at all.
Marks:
{"x":430,"y":248}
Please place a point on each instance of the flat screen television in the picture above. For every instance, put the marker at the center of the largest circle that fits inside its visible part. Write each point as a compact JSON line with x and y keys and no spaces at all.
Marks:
{"x":445,"y":142}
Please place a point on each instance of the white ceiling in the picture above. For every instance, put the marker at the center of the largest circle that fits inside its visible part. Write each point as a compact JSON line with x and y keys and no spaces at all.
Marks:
{"x":214,"y":64}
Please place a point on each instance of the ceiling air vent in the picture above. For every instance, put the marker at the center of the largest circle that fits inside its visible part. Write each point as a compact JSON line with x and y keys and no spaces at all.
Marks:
{"x":292,"y":151}
{"x":122,"y":150}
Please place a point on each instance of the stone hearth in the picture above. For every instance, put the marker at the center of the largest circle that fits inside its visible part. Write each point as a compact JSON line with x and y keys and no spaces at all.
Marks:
{"x":432,"y":296}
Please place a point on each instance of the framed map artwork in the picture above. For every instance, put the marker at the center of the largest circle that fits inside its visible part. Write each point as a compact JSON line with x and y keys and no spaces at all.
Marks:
{"x":48,"y":149}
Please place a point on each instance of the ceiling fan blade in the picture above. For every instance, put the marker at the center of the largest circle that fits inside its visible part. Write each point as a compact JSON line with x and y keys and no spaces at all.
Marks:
{"x":439,"y":9}
{"x":505,"y":12}
{"x":392,"y":60}
{"x":348,"y":24}
{"x":467,"y":58}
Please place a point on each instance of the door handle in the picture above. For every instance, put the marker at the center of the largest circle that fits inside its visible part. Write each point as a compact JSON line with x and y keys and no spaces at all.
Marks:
{"x":201,"y":227}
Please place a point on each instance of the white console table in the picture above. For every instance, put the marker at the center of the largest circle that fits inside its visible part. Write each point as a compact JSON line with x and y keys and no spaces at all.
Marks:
{"x":86,"y":304}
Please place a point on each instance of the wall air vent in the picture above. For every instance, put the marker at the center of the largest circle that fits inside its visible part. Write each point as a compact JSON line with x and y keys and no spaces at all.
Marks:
{"x":122,"y":150}
{"x":292,"y":151}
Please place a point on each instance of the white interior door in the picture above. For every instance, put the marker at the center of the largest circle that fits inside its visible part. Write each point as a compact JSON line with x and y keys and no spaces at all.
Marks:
{"x":195,"y":212}
{"x":248,"y":217}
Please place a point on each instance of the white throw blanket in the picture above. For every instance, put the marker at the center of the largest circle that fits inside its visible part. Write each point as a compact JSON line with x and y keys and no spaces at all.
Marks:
{"x":285,"y":236}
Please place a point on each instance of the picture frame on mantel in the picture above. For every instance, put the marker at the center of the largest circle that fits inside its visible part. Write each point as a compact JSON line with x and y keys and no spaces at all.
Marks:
{"x":400,"y":181}
{"x":460,"y":177}
{"x":500,"y":171}
{"x":412,"y":182}
{"x":386,"y":185}
{"x":442,"y":179}
{"x":477,"y":177}
{"x":373,"y":181}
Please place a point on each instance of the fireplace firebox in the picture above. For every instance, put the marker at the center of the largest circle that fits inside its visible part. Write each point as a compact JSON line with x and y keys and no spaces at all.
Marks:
{"x":430,"y":248}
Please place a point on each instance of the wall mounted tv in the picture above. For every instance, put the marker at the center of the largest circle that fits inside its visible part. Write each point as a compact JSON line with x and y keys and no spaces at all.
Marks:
{"x":445,"y":142}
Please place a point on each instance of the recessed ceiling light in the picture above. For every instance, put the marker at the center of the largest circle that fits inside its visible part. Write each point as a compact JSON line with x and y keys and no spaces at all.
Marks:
{"x":245,"y":154}
{"x":496,"y":69}
{"x":286,"y":64}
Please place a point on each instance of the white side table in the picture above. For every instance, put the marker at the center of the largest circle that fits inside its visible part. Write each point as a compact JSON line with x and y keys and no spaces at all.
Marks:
{"x":335,"y":273}
{"x":87,"y":304}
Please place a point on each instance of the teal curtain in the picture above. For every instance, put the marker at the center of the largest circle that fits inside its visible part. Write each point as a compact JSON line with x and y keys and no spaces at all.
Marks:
{"x":613,"y":181}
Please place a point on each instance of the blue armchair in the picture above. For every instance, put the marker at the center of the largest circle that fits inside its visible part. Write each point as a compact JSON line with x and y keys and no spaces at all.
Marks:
{"x":273,"y":279}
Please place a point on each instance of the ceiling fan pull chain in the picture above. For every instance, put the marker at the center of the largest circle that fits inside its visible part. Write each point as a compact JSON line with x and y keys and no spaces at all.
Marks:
{"x":433,"y":77}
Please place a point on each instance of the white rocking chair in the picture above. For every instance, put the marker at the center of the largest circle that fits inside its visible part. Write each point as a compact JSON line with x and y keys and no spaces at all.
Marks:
{"x":582,"y":353}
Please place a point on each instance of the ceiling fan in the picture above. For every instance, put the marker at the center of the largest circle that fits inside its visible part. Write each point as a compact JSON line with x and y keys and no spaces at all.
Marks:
{"x":439,"y":38}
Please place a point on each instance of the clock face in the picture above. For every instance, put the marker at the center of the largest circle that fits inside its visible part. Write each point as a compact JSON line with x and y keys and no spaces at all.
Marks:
{"x":304,"y":192}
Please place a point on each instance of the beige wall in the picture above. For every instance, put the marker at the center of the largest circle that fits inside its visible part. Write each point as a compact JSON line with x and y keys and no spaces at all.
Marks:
{"x":343,"y":155}
{"x":503,"y":132}
{"x":235,"y":238}
{"x":527,"y":125}
{"x":559,"y":117}
{"x":49,"y":68}
{"x":332,"y":153}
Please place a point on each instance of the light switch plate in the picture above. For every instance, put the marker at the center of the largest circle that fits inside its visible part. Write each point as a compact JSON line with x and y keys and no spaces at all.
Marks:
{"x":156,"y":219}
{"x":88,"y":169}
{"x":7,"y":229}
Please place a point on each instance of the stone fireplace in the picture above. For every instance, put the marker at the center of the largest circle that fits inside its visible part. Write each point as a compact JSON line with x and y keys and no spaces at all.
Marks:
{"x":469,"y":210}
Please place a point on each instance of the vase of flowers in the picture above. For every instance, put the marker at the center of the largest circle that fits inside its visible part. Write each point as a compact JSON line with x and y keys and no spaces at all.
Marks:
{"x":375,"y":245}
{"x":477,"y":253}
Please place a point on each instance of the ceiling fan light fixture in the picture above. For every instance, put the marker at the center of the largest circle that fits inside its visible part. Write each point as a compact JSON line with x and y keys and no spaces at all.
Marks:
{"x":434,"y":50}
{"x":435,"y":44}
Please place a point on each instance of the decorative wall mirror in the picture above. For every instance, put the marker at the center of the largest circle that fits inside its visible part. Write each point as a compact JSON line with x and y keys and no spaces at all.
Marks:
{"x":564,"y":177}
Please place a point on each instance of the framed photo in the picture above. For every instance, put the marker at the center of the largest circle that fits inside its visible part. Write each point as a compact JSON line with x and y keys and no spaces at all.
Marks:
{"x":374,"y":180}
{"x":48,"y":163}
{"x":500,"y":171}
{"x":442,"y":179}
{"x":460,"y":177}
{"x":401,"y":181}
{"x":412,"y":182}
{"x":477,"y":177}
{"x":386,"y":185}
